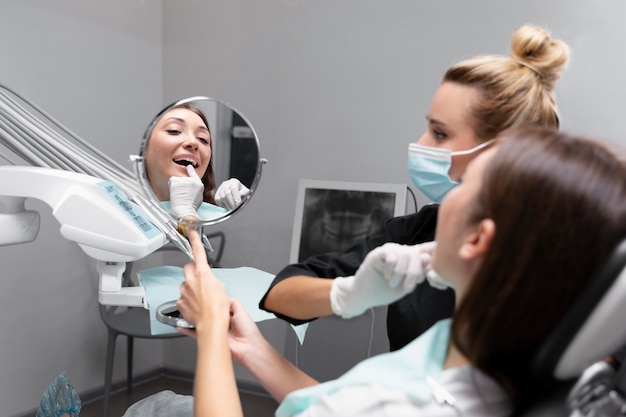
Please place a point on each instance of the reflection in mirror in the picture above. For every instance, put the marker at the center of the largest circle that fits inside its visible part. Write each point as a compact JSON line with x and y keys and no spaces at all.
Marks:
{"x":200,"y":160}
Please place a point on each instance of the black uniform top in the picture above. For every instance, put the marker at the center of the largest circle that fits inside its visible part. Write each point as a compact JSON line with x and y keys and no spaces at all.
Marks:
{"x":408,"y":317}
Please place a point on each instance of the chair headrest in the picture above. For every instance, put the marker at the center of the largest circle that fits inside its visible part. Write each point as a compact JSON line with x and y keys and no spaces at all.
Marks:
{"x":592,"y":328}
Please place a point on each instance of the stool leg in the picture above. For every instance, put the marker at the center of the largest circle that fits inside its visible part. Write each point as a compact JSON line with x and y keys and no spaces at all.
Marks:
{"x":108,"y":373}
{"x":129,"y":364}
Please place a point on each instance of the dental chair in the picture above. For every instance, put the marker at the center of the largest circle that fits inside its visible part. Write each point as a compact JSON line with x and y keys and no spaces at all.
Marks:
{"x":570,"y":368}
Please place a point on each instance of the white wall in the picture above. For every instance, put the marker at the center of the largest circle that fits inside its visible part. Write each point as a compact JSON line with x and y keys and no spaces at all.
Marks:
{"x":96,"y":67}
{"x":335,"y":89}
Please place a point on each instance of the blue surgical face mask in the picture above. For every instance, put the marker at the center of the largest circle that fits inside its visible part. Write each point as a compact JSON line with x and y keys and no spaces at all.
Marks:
{"x":429,"y":167}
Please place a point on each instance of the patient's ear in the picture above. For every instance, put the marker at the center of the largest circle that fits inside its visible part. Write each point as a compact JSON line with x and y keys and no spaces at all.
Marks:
{"x":479,"y":241}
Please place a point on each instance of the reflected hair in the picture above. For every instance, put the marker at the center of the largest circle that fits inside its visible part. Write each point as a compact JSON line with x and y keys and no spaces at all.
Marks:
{"x":514,"y":90}
{"x":559,"y":207}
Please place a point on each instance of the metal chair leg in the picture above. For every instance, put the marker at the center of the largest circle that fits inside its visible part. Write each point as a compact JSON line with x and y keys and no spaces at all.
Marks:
{"x":108,"y":375}
{"x":129,"y":363}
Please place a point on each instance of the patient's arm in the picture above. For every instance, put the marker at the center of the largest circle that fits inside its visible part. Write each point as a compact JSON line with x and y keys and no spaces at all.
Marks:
{"x":277,"y":375}
{"x":204,"y":302}
{"x":225,"y":331}
{"x":301,"y":297}
{"x":248,"y":346}
{"x":215,"y":388}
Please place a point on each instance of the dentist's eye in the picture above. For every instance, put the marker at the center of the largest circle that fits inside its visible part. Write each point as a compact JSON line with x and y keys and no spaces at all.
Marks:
{"x":173,"y":131}
{"x":439,"y":135}
{"x":203,"y":140}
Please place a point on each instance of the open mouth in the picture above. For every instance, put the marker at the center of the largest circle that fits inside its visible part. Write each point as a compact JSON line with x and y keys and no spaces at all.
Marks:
{"x":186,"y":162}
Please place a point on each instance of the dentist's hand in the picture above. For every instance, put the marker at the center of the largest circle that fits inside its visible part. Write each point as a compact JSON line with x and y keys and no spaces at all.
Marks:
{"x":230,"y":193}
{"x":186,"y":194}
{"x":387,"y":274}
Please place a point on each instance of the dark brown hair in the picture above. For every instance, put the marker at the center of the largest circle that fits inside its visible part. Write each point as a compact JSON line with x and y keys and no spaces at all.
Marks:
{"x":559,"y":206}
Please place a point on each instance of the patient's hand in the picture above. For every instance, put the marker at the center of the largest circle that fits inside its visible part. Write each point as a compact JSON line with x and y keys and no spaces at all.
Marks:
{"x":244,"y":333}
{"x":203,"y":300}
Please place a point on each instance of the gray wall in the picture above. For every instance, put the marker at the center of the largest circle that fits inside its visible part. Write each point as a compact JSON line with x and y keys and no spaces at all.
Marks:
{"x":335,"y":90}
{"x":96,"y":67}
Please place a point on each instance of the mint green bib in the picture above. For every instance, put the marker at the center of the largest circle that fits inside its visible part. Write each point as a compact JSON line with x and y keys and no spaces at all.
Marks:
{"x":206,"y":211}
{"x":404,"y":370}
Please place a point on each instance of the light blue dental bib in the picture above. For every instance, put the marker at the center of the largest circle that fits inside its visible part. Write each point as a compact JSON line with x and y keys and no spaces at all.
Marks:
{"x":404,"y":370}
{"x":206,"y":211}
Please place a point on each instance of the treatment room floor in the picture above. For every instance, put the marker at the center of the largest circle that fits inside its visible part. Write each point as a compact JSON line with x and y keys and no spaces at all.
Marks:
{"x":253,"y":405}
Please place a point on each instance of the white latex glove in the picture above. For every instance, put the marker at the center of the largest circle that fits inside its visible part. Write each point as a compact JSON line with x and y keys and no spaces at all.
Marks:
{"x":435,"y":280}
{"x":387,"y":274}
{"x":186,"y":193}
{"x":230,"y":193}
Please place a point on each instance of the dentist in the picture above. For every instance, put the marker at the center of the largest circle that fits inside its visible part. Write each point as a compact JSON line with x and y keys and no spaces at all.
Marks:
{"x":478,"y":98}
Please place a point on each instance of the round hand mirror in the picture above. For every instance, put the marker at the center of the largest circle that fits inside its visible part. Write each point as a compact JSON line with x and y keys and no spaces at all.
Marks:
{"x":199,"y":160}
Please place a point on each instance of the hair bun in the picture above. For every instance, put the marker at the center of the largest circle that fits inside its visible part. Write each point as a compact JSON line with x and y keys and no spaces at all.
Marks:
{"x":534,"y":48}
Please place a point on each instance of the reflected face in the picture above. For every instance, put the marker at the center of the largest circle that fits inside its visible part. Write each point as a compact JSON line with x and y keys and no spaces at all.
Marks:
{"x":180,"y":138}
{"x":450,"y":125}
{"x":453,"y":227}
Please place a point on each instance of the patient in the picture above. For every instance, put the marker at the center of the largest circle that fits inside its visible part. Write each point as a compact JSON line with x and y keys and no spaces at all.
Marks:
{"x":522,"y":236}
{"x":179,"y":164}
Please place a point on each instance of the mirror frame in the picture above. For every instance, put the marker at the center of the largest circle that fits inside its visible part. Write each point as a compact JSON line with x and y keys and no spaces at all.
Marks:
{"x":140,"y":169}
